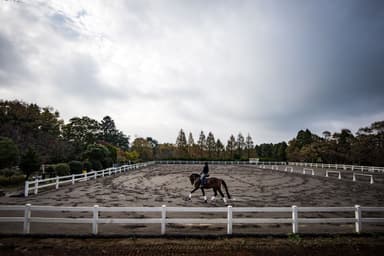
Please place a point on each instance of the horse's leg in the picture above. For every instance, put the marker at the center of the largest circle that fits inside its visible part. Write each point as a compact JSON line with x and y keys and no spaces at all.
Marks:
{"x":205,"y":197}
{"x":214,"y":196}
{"x":222,"y":195}
{"x":190,"y":194}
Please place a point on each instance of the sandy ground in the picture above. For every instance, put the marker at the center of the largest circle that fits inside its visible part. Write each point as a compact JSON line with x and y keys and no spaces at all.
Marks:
{"x":169,"y":185}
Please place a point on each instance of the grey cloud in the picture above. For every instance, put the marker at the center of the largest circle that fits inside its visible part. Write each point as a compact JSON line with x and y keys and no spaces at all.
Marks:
{"x":12,"y":66}
{"x":77,"y":77}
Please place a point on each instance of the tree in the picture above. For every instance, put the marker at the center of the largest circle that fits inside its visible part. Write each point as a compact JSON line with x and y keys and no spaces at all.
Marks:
{"x":231,"y":146}
{"x":98,"y":155}
{"x":144,"y":148}
{"x":211,"y":144}
{"x":219,"y":149}
{"x":202,"y":144}
{"x":28,"y":125}
{"x":81,"y":132}
{"x":191,"y":145}
{"x":29,"y":163}
{"x":9,"y":153}
{"x":240,"y":146}
{"x":181,"y":144}
{"x":166,"y":151}
{"x":304,"y":138}
{"x":280,"y":154}
{"x":112,"y":135}
{"x":249,"y":145}
{"x":327,"y":135}
{"x":154,"y":145}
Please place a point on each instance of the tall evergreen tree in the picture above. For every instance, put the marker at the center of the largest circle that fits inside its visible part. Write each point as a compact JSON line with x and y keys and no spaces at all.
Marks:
{"x":181,"y":144}
{"x":249,"y":145}
{"x":219,"y":149}
{"x":202,"y":144}
{"x":231,"y":146}
{"x":211,"y":144}
{"x":240,"y":146}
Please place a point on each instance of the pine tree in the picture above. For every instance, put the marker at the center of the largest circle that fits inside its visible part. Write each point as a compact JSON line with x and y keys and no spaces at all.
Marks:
{"x":202,"y":144}
{"x":231,"y":146}
{"x":249,"y":145}
{"x":219,"y":149}
{"x":181,"y":144}
{"x":191,"y":146}
{"x":240,"y":146}
{"x":211,"y":144}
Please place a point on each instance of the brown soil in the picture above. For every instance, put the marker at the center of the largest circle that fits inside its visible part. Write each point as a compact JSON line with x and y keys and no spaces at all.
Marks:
{"x":323,"y":246}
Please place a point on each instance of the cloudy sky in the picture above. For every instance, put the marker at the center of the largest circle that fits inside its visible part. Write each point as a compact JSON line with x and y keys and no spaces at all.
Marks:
{"x":267,"y":68}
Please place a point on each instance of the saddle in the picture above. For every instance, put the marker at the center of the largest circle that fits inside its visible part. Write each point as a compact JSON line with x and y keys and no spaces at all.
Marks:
{"x":204,"y":181}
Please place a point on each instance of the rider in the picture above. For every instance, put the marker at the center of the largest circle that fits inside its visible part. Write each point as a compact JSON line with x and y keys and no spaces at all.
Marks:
{"x":204,"y":174}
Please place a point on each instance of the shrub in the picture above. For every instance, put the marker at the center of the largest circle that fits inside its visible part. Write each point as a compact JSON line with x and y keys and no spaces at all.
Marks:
{"x":107,"y":162}
{"x":96,"y":165}
{"x":12,"y":180}
{"x":50,"y":170}
{"x":75,"y":166}
{"x":62,"y":169}
{"x":87,"y":165}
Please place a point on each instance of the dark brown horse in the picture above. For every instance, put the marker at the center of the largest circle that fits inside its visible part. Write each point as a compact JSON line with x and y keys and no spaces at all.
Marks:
{"x":213,"y":183}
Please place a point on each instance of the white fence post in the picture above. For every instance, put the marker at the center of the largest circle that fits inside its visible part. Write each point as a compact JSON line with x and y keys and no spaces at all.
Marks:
{"x":95,"y":219}
{"x":26,"y":188}
{"x":295,"y":224}
{"x":36,"y":185}
{"x":57,"y":182}
{"x":358,"y":219}
{"x":27,"y":216}
{"x":73,"y":179}
{"x":163,"y":218}
{"x":229,"y":220}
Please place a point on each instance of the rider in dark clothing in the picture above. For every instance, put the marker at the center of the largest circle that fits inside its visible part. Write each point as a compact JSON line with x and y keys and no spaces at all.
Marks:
{"x":204,"y":174}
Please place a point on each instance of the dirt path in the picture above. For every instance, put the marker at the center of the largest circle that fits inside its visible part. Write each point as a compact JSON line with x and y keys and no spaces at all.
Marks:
{"x":347,"y":245}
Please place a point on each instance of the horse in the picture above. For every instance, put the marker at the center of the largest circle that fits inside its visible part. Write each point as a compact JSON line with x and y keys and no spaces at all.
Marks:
{"x":213,"y":183}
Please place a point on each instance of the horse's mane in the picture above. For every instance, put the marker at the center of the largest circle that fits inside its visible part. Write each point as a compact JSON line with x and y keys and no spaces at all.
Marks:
{"x":193,"y":176}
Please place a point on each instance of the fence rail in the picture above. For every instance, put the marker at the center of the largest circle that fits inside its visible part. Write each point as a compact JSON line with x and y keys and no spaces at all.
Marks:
{"x":292,"y":218}
{"x":265,"y":163}
{"x":340,"y":166}
{"x":37,"y":184}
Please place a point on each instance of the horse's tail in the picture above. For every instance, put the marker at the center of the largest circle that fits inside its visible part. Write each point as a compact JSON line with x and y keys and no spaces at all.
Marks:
{"x":226,"y":188}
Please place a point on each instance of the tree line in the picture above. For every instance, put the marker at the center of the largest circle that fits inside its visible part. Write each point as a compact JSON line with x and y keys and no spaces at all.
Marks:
{"x":31,"y":136}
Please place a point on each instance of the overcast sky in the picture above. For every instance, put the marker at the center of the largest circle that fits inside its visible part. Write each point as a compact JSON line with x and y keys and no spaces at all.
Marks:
{"x":267,"y":68}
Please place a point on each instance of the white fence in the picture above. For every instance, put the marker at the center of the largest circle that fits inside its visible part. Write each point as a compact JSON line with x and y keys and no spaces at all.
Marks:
{"x":327,"y":172}
{"x":294,"y":219}
{"x":366,"y":175}
{"x":216,"y":162}
{"x":305,"y":170}
{"x":253,"y":161}
{"x":340,"y":166}
{"x":36,"y":184}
